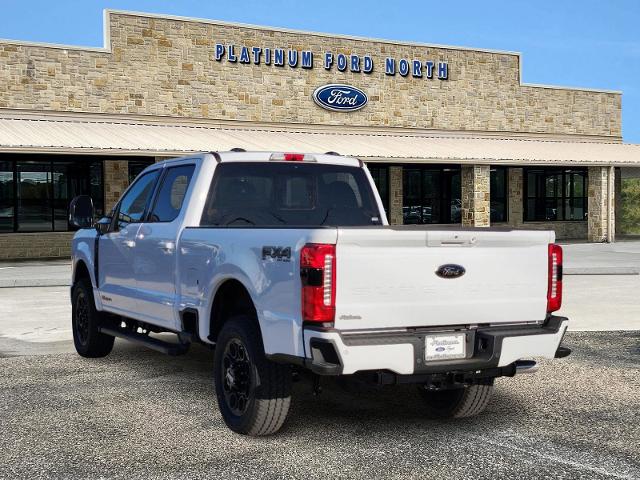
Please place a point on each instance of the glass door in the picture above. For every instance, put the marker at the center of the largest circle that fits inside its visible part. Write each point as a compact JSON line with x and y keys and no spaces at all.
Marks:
{"x":431,"y":195}
{"x":34,"y":210}
{"x":6,"y":197}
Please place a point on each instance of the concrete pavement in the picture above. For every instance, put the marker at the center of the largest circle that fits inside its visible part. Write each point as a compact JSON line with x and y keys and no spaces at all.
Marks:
{"x":620,"y":258}
{"x":43,"y":273}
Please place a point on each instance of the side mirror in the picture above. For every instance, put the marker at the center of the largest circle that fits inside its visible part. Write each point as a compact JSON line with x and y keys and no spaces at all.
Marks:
{"x":102,"y":225}
{"x":81,"y":212}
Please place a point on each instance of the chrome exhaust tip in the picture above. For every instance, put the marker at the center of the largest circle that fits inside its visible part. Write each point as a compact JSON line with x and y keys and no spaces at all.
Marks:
{"x":526,"y":366}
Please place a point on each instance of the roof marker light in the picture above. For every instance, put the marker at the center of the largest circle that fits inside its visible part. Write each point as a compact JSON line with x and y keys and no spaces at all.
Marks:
{"x":292,"y":157}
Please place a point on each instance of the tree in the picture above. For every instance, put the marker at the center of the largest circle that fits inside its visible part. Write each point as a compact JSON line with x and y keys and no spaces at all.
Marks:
{"x":630,"y":211}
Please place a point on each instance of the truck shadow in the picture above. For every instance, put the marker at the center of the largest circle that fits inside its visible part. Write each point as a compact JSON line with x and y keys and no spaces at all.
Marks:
{"x":367,"y":410}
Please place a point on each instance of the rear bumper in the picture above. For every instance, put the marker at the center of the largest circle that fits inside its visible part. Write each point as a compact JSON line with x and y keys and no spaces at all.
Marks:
{"x":333,"y":352}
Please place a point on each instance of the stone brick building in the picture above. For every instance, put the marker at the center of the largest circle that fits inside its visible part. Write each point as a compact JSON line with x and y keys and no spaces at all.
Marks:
{"x":451,"y":135}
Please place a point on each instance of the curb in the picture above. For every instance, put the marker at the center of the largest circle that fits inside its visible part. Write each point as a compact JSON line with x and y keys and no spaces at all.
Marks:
{"x":601,"y":271}
{"x":34,"y":283}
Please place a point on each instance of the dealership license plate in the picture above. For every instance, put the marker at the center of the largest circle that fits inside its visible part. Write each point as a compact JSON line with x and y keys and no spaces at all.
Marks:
{"x":445,"y":346}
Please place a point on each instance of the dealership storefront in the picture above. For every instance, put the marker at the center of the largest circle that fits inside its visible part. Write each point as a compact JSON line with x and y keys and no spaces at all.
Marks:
{"x":451,"y":135}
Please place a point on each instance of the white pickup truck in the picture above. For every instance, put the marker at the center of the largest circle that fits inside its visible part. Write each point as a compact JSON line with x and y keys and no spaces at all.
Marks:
{"x":286,"y":264}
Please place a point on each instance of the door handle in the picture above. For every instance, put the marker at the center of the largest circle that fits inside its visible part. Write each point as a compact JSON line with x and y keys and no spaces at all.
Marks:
{"x":128,"y":243}
{"x":167,"y":247}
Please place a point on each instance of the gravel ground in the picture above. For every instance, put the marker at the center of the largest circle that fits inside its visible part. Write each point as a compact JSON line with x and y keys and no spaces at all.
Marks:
{"x":138,"y":414}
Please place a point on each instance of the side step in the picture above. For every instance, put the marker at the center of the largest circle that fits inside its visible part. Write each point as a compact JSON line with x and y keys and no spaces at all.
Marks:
{"x":168,"y":348}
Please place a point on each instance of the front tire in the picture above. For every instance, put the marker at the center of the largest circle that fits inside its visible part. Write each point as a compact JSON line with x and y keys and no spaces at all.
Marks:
{"x":253,"y":393}
{"x":85,"y":320}
{"x":458,"y":402}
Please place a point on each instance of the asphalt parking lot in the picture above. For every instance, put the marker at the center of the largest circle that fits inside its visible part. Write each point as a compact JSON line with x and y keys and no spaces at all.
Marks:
{"x":139,"y":414}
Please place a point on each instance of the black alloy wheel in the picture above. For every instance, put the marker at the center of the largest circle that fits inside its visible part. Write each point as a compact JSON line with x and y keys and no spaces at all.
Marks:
{"x":81,"y":324}
{"x":253,"y":392}
{"x":85,"y":322}
{"x":237,"y":377}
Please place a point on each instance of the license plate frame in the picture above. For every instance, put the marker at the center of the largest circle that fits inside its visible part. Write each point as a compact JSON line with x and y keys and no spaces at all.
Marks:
{"x":445,"y":346}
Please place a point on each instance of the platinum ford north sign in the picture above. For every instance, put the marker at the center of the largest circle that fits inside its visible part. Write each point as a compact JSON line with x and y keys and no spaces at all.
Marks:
{"x":305,"y":59}
{"x":340,"y":98}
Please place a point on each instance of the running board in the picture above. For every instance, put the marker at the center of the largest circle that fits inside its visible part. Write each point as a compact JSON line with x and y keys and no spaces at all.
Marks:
{"x":168,"y":348}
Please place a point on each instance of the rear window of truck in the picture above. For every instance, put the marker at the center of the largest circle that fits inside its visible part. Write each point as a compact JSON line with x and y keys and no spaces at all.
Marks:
{"x":287,"y":193}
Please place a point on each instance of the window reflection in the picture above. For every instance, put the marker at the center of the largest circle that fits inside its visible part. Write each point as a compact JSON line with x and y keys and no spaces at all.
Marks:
{"x":35,"y":190}
{"x":380,"y":175}
{"x":6,"y":197}
{"x":555,"y":194}
{"x":34,"y":197}
{"x":431,"y":195}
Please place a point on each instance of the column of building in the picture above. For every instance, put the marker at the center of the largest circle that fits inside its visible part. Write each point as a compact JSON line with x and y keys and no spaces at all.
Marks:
{"x":475,"y":182}
{"x":515,"y":201}
{"x":601,"y":208}
{"x":116,"y":180}
{"x":395,"y":195}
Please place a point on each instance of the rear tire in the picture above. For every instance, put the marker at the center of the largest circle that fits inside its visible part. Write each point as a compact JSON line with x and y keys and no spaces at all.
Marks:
{"x":458,"y":402}
{"x":85,"y":320}
{"x":253,"y":393}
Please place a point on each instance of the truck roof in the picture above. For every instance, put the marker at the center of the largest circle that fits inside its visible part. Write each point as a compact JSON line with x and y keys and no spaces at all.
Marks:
{"x":257,"y":156}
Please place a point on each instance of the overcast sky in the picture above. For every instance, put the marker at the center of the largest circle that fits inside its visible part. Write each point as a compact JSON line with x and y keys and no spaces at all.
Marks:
{"x":585,"y":43}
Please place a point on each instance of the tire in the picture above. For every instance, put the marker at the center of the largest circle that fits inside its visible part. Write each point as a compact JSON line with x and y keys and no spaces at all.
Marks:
{"x":458,"y":402}
{"x":253,"y":393}
{"x":85,"y":320}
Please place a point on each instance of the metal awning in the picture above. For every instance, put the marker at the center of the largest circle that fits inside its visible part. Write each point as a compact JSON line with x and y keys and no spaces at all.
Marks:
{"x":91,"y":136}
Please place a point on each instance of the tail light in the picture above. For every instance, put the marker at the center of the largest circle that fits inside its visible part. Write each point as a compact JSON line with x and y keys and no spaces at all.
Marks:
{"x":318,"y":275}
{"x":554,"y":291}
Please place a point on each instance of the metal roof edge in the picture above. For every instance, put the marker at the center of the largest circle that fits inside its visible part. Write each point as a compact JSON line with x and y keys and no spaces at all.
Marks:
{"x":245,"y":125}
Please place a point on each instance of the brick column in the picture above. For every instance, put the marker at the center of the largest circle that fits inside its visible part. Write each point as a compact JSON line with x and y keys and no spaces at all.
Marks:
{"x":475,"y":195}
{"x":395,"y":195}
{"x":116,"y":180}
{"x":515,"y":201}
{"x":598,"y":218}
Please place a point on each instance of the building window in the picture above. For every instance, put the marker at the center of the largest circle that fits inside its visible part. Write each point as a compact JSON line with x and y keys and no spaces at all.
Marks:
{"x":380,"y":175}
{"x":7,"y":200}
{"x":498,"y":189}
{"x":431,"y":195}
{"x":35,"y":190}
{"x":554,"y":194}
{"x":137,"y":166}
{"x":34,"y":207}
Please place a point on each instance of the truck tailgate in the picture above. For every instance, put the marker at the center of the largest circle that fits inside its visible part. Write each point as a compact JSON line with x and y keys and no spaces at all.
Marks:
{"x":386,"y":277}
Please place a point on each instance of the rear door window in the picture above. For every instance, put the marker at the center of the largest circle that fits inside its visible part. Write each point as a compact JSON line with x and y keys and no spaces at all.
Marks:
{"x":171,"y":194}
{"x":283,"y":193}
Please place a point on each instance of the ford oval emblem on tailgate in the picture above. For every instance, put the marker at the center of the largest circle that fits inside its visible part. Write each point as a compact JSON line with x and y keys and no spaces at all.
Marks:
{"x":450,"y":270}
{"x":340,"y":98}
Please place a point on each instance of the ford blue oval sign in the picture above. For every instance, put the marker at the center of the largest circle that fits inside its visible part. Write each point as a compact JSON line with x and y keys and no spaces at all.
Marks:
{"x":340,"y":98}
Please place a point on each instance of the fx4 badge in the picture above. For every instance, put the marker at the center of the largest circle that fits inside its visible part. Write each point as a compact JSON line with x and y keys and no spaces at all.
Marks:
{"x":450,"y":270}
{"x":282,"y":254}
